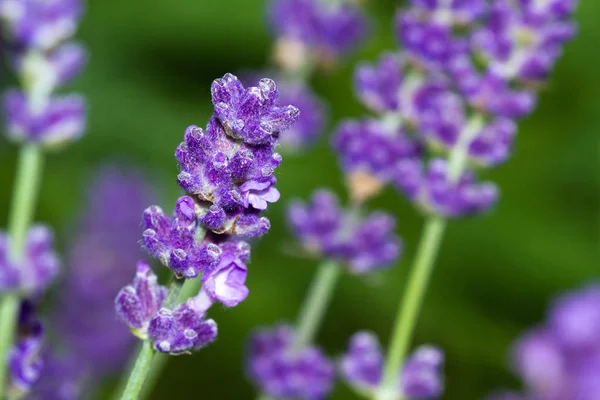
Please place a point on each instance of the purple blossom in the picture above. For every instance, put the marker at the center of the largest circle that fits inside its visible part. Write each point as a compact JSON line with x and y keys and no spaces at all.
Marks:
{"x":173,"y":240}
{"x":379,"y":86}
{"x":40,"y":25}
{"x":560,"y":358}
{"x":37,"y":268}
{"x":284,"y":372}
{"x":362,"y":365}
{"x":24,"y":360}
{"x":136,"y":304}
{"x":363,"y":244}
{"x":432,"y":191}
{"x":60,"y":120}
{"x":326,"y":29}
{"x":181,"y":330}
{"x":370,"y":154}
{"x":251,"y":114}
{"x":456,"y":12}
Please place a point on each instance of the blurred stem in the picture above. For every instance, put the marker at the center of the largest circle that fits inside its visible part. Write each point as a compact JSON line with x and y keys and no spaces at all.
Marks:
{"x":315,"y":303}
{"x":143,"y":364}
{"x":422,"y":268}
{"x":412,"y":300}
{"x":25,"y":193}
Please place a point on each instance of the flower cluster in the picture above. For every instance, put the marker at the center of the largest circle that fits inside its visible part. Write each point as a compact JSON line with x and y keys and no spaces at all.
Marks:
{"x":560,"y":358}
{"x":43,"y":57}
{"x":284,"y":372}
{"x":420,"y":378}
{"x":310,"y":30}
{"x":39,"y":265}
{"x":465,"y":76}
{"x":363,"y":244}
{"x":227,"y":171}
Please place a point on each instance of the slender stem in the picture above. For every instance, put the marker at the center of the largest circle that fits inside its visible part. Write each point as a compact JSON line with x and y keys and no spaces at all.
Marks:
{"x":413,"y":298}
{"x":316,"y":302}
{"x":143,"y":365}
{"x":24,"y":199}
{"x":139,"y":372}
{"x":422,"y":268}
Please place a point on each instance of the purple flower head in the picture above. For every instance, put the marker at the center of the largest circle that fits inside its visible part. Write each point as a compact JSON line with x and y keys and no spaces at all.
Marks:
{"x":68,"y":61}
{"x":363,"y":244}
{"x":232,"y":181}
{"x":560,"y":358}
{"x":432,"y":191}
{"x":422,"y":374}
{"x":362,"y":365}
{"x":379,"y":86}
{"x":312,"y":120}
{"x":370,"y":153}
{"x":37,"y":268}
{"x":428,"y":43}
{"x":181,"y":330}
{"x":522,"y":41}
{"x":251,"y":114}
{"x":24,"y":360}
{"x":40,"y":25}
{"x":328,"y":30}
{"x":284,"y":372}
{"x":100,"y":261}
{"x":173,"y":240}
{"x":226,"y":283}
{"x":60,"y":120}
{"x":136,"y":304}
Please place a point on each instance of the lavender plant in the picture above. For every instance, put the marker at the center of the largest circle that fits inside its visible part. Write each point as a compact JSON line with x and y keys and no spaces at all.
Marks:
{"x":468,"y":72}
{"x":227,"y":171}
{"x":37,"y":42}
{"x":559,"y":359}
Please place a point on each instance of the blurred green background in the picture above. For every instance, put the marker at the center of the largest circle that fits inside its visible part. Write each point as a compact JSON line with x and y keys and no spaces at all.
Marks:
{"x":149,"y":77}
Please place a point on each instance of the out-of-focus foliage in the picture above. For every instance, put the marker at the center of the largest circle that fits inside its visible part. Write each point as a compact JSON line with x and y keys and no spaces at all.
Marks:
{"x":149,"y":78}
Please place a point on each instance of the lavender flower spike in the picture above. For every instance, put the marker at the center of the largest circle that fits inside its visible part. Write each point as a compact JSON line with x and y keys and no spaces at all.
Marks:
{"x":136,"y":304}
{"x":363,"y":244}
{"x":558,"y":359}
{"x":38,"y":267}
{"x":284,"y":373}
{"x":362,"y":368}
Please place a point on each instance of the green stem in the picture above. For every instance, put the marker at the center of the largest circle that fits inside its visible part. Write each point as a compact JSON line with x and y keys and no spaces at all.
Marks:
{"x":143,"y":364}
{"x":24,"y":199}
{"x":315,"y":304}
{"x":413,"y":299}
{"x":422,"y":268}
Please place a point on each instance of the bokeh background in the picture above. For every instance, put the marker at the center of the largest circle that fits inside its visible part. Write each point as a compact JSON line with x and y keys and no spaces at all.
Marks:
{"x":149,"y":77}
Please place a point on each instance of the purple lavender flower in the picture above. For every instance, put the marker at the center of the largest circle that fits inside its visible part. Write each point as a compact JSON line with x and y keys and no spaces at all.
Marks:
{"x":379,"y":86}
{"x":173,"y":240}
{"x":283,"y":372}
{"x":137,"y":304}
{"x":559,"y":359}
{"x":38,"y":267}
{"x":61,"y":120}
{"x":24,"y":360}
{"x":311,"y":29}
{"x":363,"y":244}
{"x":455,"y":12}
{"x":40,"y":25}
{"x":433,"y":192}
{"x":229,"y":167}
{"x":181,"y":330}
{"x":362,"y":366}
{"x":370,"y":154}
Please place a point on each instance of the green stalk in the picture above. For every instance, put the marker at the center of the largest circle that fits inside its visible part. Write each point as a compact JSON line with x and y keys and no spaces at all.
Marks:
{"x":422,"y":269}
{"x":315,"y":304}
{"x":23,"y":204}
{"x":143,"y":363}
